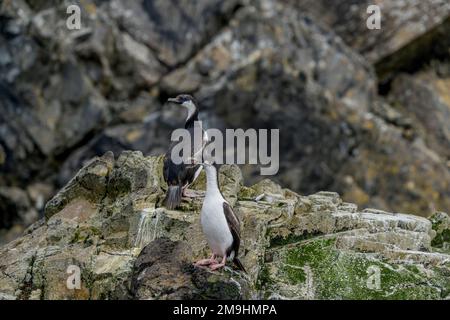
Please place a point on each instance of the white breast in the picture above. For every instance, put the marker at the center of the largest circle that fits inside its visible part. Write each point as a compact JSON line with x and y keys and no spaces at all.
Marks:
{"x":214,"y":224}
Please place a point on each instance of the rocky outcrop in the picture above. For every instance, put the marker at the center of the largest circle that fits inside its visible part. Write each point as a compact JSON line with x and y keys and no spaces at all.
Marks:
{"x":441,"y":225}
{"x":402,"y":22}
{"x":425,"y":98}
{"x":108,"y":222}
{"x":69,"y":95}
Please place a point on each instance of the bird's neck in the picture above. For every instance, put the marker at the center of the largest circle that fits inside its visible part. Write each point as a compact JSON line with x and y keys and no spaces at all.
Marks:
{"x":212,"y":183}
{"x":192,"y":114}
{"x":190,"y":121}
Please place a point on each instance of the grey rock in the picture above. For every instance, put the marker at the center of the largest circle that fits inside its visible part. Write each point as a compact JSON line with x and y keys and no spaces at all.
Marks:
{"x":15,"y":206}
{"x":296,"y":247}
{"x":70,"y":95}
{"x":164,"y":270}
{"x":424,"y":98}
{"x":441,"y":226}
{"x":401,"y":22}
{"x":174,"y":31}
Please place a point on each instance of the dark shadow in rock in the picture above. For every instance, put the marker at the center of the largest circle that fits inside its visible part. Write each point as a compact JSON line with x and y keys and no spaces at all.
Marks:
{"x":164,"y":270}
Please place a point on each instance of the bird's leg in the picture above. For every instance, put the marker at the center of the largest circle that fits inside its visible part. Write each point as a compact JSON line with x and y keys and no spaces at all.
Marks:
{"x":219,"y":265}
{"x":183,"y":193}
{"x":206,"y":262}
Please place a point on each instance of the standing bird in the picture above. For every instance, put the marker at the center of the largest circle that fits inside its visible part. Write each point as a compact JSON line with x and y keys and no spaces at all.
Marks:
{"x":180,"y":176}
{"x":219,"y":223}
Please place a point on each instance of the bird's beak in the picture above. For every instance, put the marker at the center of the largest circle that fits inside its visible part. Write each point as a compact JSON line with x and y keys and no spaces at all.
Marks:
{"x":174,"y":100}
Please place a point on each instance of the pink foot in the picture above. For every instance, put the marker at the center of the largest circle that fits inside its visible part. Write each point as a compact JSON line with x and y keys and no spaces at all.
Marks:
{"x":217,"y":266}
{"x":206,"y":262}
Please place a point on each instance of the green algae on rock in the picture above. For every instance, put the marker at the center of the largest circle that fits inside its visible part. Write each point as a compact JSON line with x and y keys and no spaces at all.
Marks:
{"x":441,"y":225}
{"x":108,"y":221}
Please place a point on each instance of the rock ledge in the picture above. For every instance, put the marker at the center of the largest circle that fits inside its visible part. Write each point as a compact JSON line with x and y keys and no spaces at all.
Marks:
{"x":109,"y":222}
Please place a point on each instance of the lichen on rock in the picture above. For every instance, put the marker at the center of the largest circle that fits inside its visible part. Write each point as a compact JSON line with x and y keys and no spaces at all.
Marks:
{"x":108,"y":221}
{"x":441,"y":225}
{"x":318,"y":74}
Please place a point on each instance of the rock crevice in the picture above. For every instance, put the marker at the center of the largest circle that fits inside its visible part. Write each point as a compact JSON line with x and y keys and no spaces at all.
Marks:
{"x":293,"y":246}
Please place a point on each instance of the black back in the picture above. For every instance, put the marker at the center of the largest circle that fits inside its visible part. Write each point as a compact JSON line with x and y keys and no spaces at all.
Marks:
{"x":181,"y":174}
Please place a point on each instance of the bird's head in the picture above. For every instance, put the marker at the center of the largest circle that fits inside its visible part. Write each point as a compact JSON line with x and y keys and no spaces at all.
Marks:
{"x":186,"y":101}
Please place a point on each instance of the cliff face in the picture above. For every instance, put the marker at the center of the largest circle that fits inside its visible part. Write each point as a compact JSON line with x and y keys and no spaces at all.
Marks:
{"x":108,"y":222}
{"x":309,"y":68}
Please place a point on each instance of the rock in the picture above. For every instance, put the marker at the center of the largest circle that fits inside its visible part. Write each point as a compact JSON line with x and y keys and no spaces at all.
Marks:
{"x":157,"y":24}
{"x":424,"y":98}
{"x":419,"y":54}
{"x":441,"y":225}
{"x":401,"y":22}
{"x":38,"y":193}
{"x":21,"y":208}
{"x":108,"y":222}
{"x":15,"y":207}
{"x":11,"y":233}
{"x":164,"y":270}
{"x":67,"y":96}
{"x":304,"y":272}
{"x":329,"y":136}
{"x":90,"y":183}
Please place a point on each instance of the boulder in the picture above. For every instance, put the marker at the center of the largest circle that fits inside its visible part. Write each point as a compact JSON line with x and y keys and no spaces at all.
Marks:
{"x":108,"y":222}
{"x":262,"y":72}
{"x":67,"y":96}
{"x":425,"y":99}
{"x":441,"y":225}
{"x":402,"y":22}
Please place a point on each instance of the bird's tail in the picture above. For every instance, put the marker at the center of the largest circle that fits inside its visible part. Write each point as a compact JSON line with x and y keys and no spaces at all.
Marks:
{"x":173,"y":197}
{"x":238,"y":264}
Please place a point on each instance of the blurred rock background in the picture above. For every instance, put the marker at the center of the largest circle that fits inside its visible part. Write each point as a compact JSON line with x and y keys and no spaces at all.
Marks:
{"x":365,"y":113}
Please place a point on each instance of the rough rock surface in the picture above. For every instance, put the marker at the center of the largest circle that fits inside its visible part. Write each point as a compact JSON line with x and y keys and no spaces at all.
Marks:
{"x":69,"y":95}
{"x":441,"y":225}
{"x":108,"y":222}
{"x":402,"y":22}
{"x":425,"y":98}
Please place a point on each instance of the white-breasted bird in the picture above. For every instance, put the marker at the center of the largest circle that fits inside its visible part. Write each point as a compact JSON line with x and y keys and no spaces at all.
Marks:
{"x":219,"y":224}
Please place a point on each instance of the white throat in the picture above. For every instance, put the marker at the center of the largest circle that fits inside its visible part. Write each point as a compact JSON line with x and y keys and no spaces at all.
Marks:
{"x":190,"y":107}
{"x":212,"y":185}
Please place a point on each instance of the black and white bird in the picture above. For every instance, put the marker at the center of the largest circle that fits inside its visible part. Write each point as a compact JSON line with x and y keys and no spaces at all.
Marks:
{"x":180,"y":176}
{"x":219,"y":224}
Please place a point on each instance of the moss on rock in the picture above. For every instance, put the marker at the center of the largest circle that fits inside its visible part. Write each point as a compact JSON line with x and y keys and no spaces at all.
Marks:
{"x":441,"y":225}
{"x":304,"y":247}
{"x":334,"y":274}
